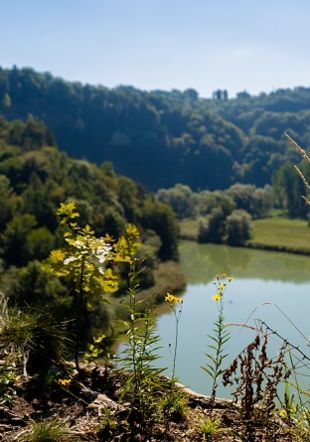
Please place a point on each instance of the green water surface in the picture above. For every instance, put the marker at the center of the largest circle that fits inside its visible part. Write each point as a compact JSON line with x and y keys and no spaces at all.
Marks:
{"x":267,"y":285}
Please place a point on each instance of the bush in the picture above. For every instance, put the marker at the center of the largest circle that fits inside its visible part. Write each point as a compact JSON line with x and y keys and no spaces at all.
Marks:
{"x":238,"y":228}
{"x":212,"y":229}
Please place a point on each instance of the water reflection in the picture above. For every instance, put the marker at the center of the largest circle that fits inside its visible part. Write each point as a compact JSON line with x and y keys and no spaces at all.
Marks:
{"x":261,"y":281}
{"x":201,"y":262}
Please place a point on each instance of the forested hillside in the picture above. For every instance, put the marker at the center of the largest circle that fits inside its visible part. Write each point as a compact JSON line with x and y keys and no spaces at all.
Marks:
{"x":35,"y":178}
{"x":162,"y":138}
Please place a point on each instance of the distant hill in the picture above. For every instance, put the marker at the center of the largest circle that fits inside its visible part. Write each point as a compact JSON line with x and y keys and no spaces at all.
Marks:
{"x":162,"y":138}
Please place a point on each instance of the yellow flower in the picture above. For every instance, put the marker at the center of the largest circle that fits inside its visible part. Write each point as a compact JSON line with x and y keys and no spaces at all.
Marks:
{"x":56,"y":256}
{"x":217,"y":296}
{"x":131,"y":229}
{"x":221,"y":286}
{"x":173,"y":299}
{"x":230,"y":279}
{"x":282,"y":413}
{"x":108,"y":238}
{"x":64,"y":382}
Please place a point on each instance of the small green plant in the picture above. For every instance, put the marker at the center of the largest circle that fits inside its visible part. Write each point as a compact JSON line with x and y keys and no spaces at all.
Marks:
{"x":107,"y":425}
{"x":142,"y":387}
{"x":28,"y":340}
{"x":174,"y":401}
{"x":210,"y":427}
{"x":295,"y":412}
{"x":85,"y":263}
{"x":8,"y":380}
{"x":216,"y":355}
{"x":48,"y":430}
{"x":96,"y":349}
{"x":174,"y":404}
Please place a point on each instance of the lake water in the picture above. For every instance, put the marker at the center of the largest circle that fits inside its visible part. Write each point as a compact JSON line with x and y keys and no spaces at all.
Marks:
{"x":262,"y":281}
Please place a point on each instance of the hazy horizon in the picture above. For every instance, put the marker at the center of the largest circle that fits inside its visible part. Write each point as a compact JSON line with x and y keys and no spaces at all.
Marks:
{"x":180,"y":44}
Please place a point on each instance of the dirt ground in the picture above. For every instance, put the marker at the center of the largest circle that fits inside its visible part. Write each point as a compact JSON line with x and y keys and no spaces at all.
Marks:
{"x":82,"y":407}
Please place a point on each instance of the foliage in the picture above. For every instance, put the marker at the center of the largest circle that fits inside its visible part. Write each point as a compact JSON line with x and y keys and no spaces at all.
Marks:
{"x":35,"y":178}
{"x":48,"y":430}
{"x":257,"y":382}
{"x":212,"y":229}
{"x":216,"y":355}
{"x":211,"y":427}
{"x":86,"y":262}
{"x":177,"y":136}
{"x":85,"y":258}
{"x":141,"y":387}
{"x":107,"y":425}
{"x":289,"y":189}
{"x":28,"y":340}
{"x":180,"y":198}
{"x":160,"y":218}
{"x":174,"y":404}
{"x":256,"y":201}
{"x":174,"y":401}
{"x":238,"y":228}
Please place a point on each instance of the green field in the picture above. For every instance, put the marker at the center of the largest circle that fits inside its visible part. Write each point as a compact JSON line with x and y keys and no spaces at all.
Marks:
{"x":276,"y":233}
{"x":289,"y":235}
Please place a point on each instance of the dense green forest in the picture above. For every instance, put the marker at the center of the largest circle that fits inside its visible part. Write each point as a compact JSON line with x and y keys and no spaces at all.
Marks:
{"x":86,"y":253}
{"x":35,"y":178}
{"x":163,"y":138}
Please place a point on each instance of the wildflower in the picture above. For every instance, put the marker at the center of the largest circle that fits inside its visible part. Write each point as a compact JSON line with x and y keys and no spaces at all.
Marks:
{"x":132,"y":230}
{"x":173,"y":299}
{"x":282,"y":413}
{"x":108,"y":238}
{"x":56,"y":256}
{"x":221,"y":282}
{"x":64,"y":382}
{"x":217,"y":296}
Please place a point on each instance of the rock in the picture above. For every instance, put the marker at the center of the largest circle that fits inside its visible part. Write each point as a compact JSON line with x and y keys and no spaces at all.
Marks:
{"x":103,"y":401}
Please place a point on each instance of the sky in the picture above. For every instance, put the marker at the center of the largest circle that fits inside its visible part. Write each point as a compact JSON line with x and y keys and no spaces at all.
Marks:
{"x":253,"y":45}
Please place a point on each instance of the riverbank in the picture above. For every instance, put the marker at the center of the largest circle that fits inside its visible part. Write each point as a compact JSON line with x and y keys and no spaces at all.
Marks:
{"x":276,"y":233}
{"x":89,"y":407}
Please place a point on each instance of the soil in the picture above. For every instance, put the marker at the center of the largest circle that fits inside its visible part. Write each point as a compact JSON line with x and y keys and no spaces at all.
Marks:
{"x":82,"y":406}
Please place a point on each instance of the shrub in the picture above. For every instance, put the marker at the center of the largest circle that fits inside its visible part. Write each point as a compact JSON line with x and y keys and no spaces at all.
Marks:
{"x":238,"y":228}
{"x":212,"y":229}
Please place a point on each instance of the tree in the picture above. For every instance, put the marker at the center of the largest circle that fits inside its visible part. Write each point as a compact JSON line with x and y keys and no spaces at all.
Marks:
{"x":289,"y":189}
{"x":7,"y":201}
{"x":238,"y":228}
{"x":160,"y":218}
{"x":180,"y":198}
{"x":256,"y":201}
{"x":212,"y":229}
{"x":14,"y":238}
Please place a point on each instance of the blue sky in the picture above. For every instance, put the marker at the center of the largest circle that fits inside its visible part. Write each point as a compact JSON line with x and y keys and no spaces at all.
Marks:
{"x":254,"y":45}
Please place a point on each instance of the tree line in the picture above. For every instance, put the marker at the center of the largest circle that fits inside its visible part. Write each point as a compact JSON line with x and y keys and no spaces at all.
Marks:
{"x":163,"y":138}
